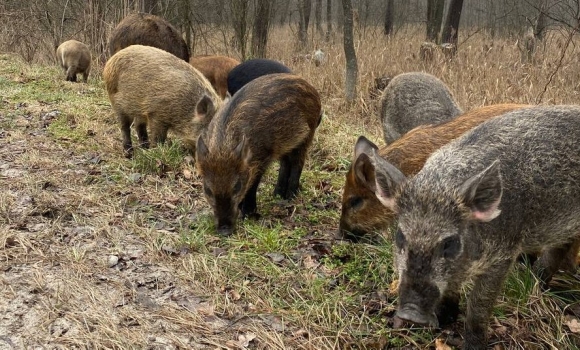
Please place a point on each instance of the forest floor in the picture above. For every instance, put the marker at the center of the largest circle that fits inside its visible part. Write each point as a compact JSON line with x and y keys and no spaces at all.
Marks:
{"x":101,"y":252}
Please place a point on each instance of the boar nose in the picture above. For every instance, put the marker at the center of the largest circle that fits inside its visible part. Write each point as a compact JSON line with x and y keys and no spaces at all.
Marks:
{"x":412,"y":313}
{"x":348,"y":233}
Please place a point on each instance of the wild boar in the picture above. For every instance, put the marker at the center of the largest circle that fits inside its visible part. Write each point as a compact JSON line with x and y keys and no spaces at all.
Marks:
{"x":273,"y":117}
{"x":216,"y":70}
{"x":252,"y":69}
{"x":148,"y":86}
{"x":508,"y":186}
{"x":413,"y":99}
{"x":147,"y":29}
{"x":75,"y":58}
{"x":362,"y":212}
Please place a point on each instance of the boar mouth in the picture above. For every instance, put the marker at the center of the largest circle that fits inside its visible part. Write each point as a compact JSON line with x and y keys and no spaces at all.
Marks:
{"x":412,"y":313}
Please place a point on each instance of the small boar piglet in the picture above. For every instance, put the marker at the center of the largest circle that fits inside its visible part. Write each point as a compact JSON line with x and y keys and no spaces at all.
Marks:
{"x":151,"y":88}
{"x":75,"y":58}
{"x":273,"y":117}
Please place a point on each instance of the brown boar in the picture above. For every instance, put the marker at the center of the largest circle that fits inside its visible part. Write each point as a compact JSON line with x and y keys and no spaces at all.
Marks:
{"x":75,"y":58}
{"x":509,"y":186}
{"x":216,"y":70}
{"x":148,"y":86}
{"x":413,"y":99}
{"x":147,"y":29}
{"x":272,"y":117}
{"x":362,"y":212}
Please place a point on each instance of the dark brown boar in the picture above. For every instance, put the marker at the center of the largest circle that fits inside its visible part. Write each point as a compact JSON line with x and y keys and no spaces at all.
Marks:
{"x":216,"y":70}
{"x":362,"y":212}
{"x":148,"y":86}
{"x":75,"y":58}
{"x":509,"y":186}
{"x":273,"y":117}
{"x":147,"y":29}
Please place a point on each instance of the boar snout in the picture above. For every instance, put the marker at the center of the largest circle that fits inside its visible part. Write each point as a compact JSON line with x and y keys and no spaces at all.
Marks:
{"x":225,"y":230}
{"x":412,"y":313}
{"x":348,"y":233}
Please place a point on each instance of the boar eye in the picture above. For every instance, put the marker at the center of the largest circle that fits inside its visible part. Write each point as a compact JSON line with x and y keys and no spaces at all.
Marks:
{"x":355,"y":202}
{"x":207,"y":191}
{"x":238,"y":187}
{"x":400,"y":240}
{"x":451,"y":247}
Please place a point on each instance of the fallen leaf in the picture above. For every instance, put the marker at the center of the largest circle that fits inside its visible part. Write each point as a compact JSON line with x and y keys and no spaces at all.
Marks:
{"x":245,"y":339}
{"x":440,"y":345}
{"x":394,"y":287}
{"x":187,"y":174}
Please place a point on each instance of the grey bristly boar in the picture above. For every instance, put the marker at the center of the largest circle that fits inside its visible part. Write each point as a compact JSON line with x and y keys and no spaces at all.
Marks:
{"x":75,"y":58}
{"x":273,"y":117}
{"x":413,"y":99}
{"x":509,"y":186}
{"x":150,"y":87}
{"x":151,"y":30}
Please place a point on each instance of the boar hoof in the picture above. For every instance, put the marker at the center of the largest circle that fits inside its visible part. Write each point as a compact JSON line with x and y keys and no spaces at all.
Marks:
{"x":411,"y":313}
{"x":225,"y":230}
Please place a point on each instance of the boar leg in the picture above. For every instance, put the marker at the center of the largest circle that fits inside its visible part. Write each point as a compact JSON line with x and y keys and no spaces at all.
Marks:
{"x":248,"y":204}
{"x":126,"y":133}
{"x":141,"y":127}
{"x":448,"y":309}
{"x":289,"y":175}
{"x":551,"y":260}
{"x":158,"y":131}
{"x":486,"y":288}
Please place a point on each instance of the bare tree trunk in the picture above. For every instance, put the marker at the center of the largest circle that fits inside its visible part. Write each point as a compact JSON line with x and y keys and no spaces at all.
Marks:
{"x":328,"y":19}
{"x":540,"y":25}
{"x":318,"y":15}
{"x":304,"y":7}
{"x":150,"y":6}
{"x":451,"y":28}
{"x":239,"y":21}
{"x":389,"y":14}
{"x":349,"y":52}
{"x":434,"y":18}
{"x":260,"y":29}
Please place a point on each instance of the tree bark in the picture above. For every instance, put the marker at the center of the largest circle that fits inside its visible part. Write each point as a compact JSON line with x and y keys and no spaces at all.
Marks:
{"x":328,"y":19}
{"x":318,"y":16}
{"x":239,"y":21}
{"x":451,"y":28}
{"x":389,"y":14}
{"x":304,"y":7}
{"x":260,"y":29}
{"x":150,"y":6}
{"x":434,"y":18}
{"x":349,"y":52}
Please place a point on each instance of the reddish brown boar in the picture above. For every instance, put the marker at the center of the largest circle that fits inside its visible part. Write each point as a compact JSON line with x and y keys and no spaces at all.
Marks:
{"x":362,"y":212}
{"x":150,"y":30}
{"x":273,"y":117}
{"x":151,"y":87}
{"x":216,"y":70}
{"x":75,"y":58}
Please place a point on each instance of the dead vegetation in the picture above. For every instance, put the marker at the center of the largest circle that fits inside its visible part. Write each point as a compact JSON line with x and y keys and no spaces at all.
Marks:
{"x":103,"y":252}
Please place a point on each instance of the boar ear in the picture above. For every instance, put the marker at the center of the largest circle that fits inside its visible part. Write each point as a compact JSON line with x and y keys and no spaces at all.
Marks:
{"x":364,"y":171}
{"x":242,"y":151}
{"x":228,"y":97}
{"x":205,"y":109}
{"x":388,"y":180}
{"x":363,"y":145}
{"x":201,"y":150}
{"x":482,"y":193}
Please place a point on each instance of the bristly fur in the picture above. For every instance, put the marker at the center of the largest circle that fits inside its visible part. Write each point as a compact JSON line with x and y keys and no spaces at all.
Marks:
{"x":273,"y":117}
{"x":508,"y":186}
{"x":216,"y":70}
{"x":408,"y":154}
{"x":149,"y":87}
{"x":151,"y":30}
{"x":413,"y":99}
